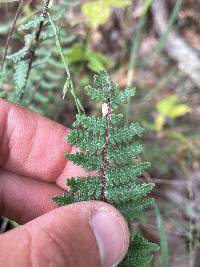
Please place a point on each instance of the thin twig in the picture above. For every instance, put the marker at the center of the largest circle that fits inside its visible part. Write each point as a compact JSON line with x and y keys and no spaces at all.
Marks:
{"x":18,"y":12}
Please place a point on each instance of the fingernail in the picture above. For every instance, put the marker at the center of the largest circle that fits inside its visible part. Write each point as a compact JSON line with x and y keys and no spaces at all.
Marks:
{"x":111,"y":237}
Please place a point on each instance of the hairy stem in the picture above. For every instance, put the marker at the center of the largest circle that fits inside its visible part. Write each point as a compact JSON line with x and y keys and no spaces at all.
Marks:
{"x":105,"y":153}
{"x":37,"y":39}
{"x":18,"y":12}
{"x":69,"y":79}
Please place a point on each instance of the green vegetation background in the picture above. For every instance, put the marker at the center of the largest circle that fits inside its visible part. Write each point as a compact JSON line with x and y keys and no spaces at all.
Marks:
{"x":139,"y":48}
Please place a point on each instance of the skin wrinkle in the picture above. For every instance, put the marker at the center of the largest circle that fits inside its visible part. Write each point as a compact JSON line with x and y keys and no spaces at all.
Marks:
{"x":6,"y":120}
{"x":58,"y":248}
{"x":7,"y":129}
{"x":30,"y":258}
{"x":75,"y":238}
{"x":59,"y":160}
{"x":42,"y":255}
{"x":24,"y":203}
{"x":10,"y":128}
{"x":2,"y":196}
{"x":15,"y":117}
{"x":60,"y":174}
{"x":19,"y":132}
{"x":31,"y":142}
{"x":56,"y":166}
{"x":16,"y":205}
{"x":5,"y":137}
{"x":17,"y":247}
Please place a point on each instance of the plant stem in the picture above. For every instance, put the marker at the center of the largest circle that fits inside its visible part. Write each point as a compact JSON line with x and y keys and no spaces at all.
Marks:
{"x":105,"y":152}
{"x":37,"y":39}
{"x":164,"y":259}
{"x":71,"y":84}
{"x":191,"y":223}
{"x":165,"y":35}
{"x":18,"y":12}
{"x":136,"y":40}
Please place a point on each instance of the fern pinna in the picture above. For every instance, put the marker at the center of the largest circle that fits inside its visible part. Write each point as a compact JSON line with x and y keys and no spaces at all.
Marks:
{"x":107,"y":146}
{"x":40,"y":58}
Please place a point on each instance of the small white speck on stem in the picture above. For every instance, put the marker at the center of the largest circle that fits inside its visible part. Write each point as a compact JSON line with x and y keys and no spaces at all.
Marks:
{"x":104,"y":109}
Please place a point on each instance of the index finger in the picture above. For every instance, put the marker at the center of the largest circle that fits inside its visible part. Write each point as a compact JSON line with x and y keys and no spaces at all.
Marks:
{"x":32,"y":145}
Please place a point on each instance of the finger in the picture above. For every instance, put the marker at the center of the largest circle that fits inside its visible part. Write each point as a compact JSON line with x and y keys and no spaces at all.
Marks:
{"x":23,"y":199}
{"x":70,"y":236}
{"x":32,"y":145}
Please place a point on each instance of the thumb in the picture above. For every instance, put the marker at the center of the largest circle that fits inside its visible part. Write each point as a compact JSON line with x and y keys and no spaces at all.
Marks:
{"x":87,"y":234}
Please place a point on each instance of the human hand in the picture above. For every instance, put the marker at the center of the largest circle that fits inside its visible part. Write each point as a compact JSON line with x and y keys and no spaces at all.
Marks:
{"x":32,"y":170}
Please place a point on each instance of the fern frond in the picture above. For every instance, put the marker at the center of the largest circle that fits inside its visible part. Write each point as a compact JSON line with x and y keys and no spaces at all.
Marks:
{"x":86,"y":161}
{"x":117,"y":180}
{"x":124,"y":153}
{"x":126,"y":174}
{"x":20,"y":75}
{"x":19,"y":55}
{"x":47,"y":71}
{"x":32,"y":25}
{"x":100,"y":92}
{"x":123,"y":96}
{"x":140,"y":252}
{"x":133,"y":211}
{"x":125,"y":194}
{"x":125,"y":133}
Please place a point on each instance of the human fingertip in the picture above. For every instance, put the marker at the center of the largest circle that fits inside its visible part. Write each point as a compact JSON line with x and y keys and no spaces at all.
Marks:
{"x":112,"y":236}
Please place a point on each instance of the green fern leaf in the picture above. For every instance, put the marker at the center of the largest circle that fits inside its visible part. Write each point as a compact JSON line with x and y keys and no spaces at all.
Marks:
{"x":140,"y":252}
{"x":33,"y":24}
{"x":20,"y":76}
{"x":95,"y":135}
{"x":19,"y":55}
{"x":124,"y":153}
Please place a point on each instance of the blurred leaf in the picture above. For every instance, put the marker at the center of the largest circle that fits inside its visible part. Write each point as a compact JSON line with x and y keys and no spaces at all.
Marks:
{"x":165,"y":105}
{"x":159,"y":122}
{"x":146,"y":7}
{"x":80,"y":53}
{"x":76,"y":53}
{"x":168,"y":107}
{"x":98,"y":12}
{"x":179,"y":110}
{"x":116,"y":3}
{"x":28,"y":12}
{"x":95,"y":65}
{"x":97,"y":61}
